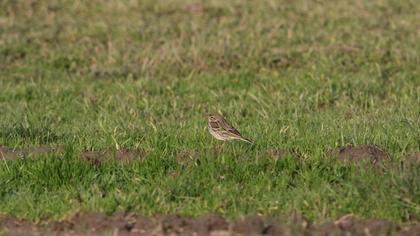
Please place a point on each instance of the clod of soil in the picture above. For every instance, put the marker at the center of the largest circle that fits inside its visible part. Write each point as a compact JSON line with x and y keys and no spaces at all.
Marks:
{"x":362,"y":154}
{"x":297,"y":219}
{"x":14,"y":226}
{"x":187,"y":157}
{"x":12,"y":153}
{"x":121,"y":223}
{"x":121,"y":154}
{"x":328,"y":228}
{"x":90,"y":155}
{"x":250,"y":225}
{"x":180,"y":225}
{"x":410,"y":230}
{"x":413,"y":158}
{"x":351,"y":224}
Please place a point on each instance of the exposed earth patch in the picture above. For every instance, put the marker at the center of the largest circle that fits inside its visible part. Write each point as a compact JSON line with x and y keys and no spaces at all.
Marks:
{"x":94,"y":156}
{"x":361,"y":154}
{"x":121,"y":223}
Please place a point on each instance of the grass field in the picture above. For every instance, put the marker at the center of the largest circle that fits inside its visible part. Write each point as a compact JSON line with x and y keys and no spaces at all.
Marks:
{"x":292,"y":75}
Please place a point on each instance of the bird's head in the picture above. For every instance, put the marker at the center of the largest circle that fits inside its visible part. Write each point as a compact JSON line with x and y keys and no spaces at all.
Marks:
{"x":214,"y":117}
{"x":211,"y":117}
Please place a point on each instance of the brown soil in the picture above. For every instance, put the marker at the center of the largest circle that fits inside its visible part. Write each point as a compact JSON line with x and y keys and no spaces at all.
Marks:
{"x":361,"y":154}
{"x":349,"y":154}
{"x":12,"y":153}
{"x":356,"y":226}
{"x":96,"y":156}
{"x":413,"y":158}
{"x":91,"y":155}
{"x":129,"y":224}
{"x":187,"y":157}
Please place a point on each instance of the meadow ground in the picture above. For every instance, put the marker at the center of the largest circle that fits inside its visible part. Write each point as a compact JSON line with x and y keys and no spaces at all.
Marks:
{"x":301,"y":78}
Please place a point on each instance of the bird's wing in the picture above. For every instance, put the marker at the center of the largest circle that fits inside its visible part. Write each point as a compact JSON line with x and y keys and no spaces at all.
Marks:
{"x":229,"y":128}
{"x":215,"y":125}
{"x":234,"y":131}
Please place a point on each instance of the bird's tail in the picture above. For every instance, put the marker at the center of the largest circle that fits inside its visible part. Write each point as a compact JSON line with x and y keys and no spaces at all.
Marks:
{"x":247,"y":140}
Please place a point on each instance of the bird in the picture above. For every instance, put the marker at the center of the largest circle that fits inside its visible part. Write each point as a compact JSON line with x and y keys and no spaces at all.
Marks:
{"x":221,"y":129}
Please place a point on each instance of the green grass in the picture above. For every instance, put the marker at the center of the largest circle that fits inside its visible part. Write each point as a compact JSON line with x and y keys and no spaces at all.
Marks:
{"x":289,"y":74}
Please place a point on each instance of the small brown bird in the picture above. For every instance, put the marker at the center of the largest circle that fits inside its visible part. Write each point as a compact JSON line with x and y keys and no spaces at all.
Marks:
{"x":220,"y":128}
